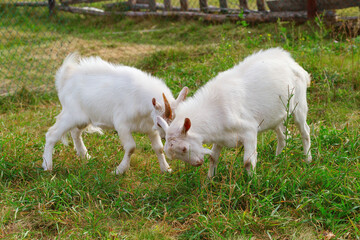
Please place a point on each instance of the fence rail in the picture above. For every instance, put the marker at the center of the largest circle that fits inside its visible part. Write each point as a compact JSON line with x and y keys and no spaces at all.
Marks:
{"x":266,"y":11}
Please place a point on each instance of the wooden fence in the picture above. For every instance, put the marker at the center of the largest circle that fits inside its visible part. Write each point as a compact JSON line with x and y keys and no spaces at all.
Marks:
{"x":267,"y":11}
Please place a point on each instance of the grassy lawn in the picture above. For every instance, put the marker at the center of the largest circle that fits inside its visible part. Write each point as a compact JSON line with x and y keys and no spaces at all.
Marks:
{"x":286,"y":198}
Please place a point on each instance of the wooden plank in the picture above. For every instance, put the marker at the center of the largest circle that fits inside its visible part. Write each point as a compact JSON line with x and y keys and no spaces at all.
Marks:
{"x":260,"y":5}
{"x":289,"y":5}
{"x":203,"y":5}
{"x":300,"y":5}
{"x":167,"y":5}
{"x":26,"y":4}
{"x":152,"y":5}
{"x":336,"y":4}
{"x":184,"y":5}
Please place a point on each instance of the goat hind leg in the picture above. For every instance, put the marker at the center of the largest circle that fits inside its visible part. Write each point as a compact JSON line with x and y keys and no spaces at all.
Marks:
{"x":281,"y":138}
{"x":79,"y":144}
{"x":53,"y":135}
{"x":129,"y":146}
{"x":300,"y":121}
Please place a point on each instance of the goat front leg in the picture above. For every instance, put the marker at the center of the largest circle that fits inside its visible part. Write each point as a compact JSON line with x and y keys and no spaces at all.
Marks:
{"x":250,"y":153}
{"x":129,"y":146}
{"x":158,"y":148}
{"x":214,"y":159}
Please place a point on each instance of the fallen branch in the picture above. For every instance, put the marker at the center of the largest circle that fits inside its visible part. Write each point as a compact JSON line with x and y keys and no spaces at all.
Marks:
{"x":252,"y":17}
{"x":68,"y":2}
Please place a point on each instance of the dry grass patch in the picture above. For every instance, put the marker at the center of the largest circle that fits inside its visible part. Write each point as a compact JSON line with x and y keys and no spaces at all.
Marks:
{"x":33,"y":65}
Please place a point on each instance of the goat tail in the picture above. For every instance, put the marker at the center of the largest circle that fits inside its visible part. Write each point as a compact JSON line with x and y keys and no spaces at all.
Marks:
{"x":302,"y":75}
{"x":92,"y":129}
{"x":65,"y":140}
{"x":307,"y":77}
{"x":308,"y":81}
{"x":89,"y":129}
{"x":66,"y":69}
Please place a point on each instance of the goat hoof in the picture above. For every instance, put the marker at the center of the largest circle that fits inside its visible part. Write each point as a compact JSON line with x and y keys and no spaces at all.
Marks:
{"x":121,"y":170}
{"x":166,"y":169}
{"x":211,"y":174}
{"x":46,"y":167}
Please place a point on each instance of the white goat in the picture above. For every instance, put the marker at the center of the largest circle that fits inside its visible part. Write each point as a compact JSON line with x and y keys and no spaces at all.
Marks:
{"x":97,"y":94}
{"x":236,"y":105}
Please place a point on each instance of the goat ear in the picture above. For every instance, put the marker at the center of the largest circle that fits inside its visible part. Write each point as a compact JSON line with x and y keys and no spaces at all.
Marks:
{"x":156,"y":105}
{"x":168,"y":111}
{"x":187,"y":125}
{"x":182,"y":95}
{"x":162,"y":123}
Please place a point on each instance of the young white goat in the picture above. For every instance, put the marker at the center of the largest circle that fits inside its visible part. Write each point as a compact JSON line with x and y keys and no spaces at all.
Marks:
{"x":236,"y":105}
{"x":96,"y":94}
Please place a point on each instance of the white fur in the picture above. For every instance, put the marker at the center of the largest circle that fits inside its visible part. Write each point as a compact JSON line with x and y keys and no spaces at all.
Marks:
{"x":236,"y":105}
{"x":96,"y":94}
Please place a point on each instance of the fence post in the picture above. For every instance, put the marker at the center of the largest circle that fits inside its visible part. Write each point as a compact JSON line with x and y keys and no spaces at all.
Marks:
{"x":51,"y":6}
{"x":223,"y":5}
{"x":203,"y":5}
{"x":243,"y":4}
{"x":260,"y":5}
{"x":184,"y":5}
{"x":311,"y":9}
{"x":167,"y":5}
{"x":152,"y":5}
{"x":131,"y":4}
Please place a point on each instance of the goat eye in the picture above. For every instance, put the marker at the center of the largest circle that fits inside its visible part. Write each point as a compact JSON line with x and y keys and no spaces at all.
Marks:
{"x":171,"y":145}
{"x":184,"y":150}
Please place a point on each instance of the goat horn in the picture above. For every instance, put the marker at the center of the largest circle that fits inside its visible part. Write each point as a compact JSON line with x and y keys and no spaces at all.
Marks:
{"x":168,"y":112}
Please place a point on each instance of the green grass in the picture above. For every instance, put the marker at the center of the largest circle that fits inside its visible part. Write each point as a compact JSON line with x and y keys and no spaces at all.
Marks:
{"x":286,"y":198}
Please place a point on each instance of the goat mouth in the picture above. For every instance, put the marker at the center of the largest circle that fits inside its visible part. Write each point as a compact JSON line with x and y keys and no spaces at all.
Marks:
{"x":198,"y":164}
